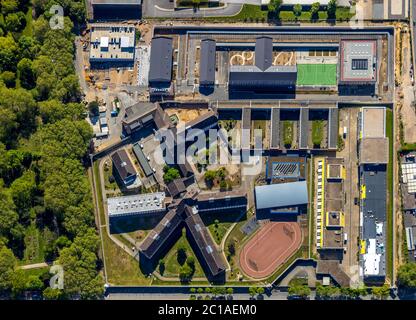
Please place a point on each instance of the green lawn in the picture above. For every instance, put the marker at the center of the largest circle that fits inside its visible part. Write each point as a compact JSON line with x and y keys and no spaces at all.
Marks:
{"x":317,"y":132}
{"x":35,"y":244}
{"x":317,"y":74}
{"x":390,"y":227}
{"x":224,"y":223}
{"x":288,"y":132}
{"x":121,"y":268}
{"x":249,"y":13}
{"x":171,"y":262}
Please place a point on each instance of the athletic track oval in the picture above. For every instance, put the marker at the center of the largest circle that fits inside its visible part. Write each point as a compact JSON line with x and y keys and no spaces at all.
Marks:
{"x":269,"y":248}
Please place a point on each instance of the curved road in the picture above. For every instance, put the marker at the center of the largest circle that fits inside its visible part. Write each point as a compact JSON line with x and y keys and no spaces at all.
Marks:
{"x":164,"y":9}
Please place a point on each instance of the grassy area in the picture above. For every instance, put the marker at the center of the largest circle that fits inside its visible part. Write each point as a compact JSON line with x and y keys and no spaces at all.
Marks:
{"x":390,"y":227}
{"x":317,"y":132}
{"x":305,"y":16}
{"x":224,"y":222}
{"x":172,"y":265}
{"x":317,"y":74}
{"x":287,"y":132}
{"x":249,"y":13}
{"x":108,"y":173}
{"x":36,"y":242}
{"x":121,"y":268}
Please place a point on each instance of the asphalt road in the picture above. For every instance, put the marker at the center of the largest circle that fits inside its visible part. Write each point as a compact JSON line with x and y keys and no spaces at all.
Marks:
{"x":164,"y":9}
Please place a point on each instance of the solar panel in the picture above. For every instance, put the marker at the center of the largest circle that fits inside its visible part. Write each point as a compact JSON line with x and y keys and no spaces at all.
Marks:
{"x":359,"y":64}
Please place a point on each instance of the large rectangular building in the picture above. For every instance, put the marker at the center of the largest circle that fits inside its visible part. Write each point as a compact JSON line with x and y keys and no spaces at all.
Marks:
{"x":281,"y":196}
{"x":112,"y":43}
{"x":161,"y":59}
{"x":140,"y":204}
{"x":263,"y":76}
{"x":116,"y":9}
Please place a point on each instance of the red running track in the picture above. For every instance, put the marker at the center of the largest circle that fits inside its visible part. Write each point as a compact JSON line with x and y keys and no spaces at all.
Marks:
{"x":270,"y":247}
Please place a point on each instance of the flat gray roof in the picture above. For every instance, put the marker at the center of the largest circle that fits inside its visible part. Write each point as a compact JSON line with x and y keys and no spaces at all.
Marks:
{"x":263,"y":53}
{"x":358,"y":61}
{"x":281,"y":195}
{"x":374,"y":151}
{"x":303,"y":128}
{"x":333,"y":128}
{"x":136,"y":204}
{"x":142,"y":160}
{"x":161,"y":60}
{"x":207,"y":62}
{"x":275,"y":129}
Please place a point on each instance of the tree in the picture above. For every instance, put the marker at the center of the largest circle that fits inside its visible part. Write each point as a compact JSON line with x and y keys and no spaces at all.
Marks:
{"x":15,"y":22}
{"x":7,"y":265}
{"x":274,"y":6}
{"x":299,"y":290}
{"x":8,"y":78}
{"x":181,"y":254}
{"x":185,"y":273}
{"x":93,"y":108}
{"x":8,"y":6}
{"x":200,"y":291}
{"x":332,"y":9}
{"x":210,"y":175}
{"x":315,"y":9}
{"x":170,"y":174}
{"x":260,"y":290}
{"x":252,"y":291}
{"x":8,"y":214}
{"x":80,"y":267}
{"x":52,"y":294}
{"x":230,"y":291}
{"x":406,"y":275}
{"x":191,"y":262}
{"x":297,"y":10}
{"x":23,"y":192}
{"x":8,"y":53}
{"x":380,"y":293}
{"x":26,"y":74}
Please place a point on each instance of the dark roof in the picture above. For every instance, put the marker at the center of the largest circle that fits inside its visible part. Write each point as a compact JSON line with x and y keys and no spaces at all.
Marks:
{"x":333,"y":128}
{"x":275,"y":129}
{"x":200,"y":234}
{"x":333,"y":269}
{"x":222,"y":201}
{"x":263,"y":53}
{"x":123,"y":165}
{"x":176,"y":187}
{"x":252,"y":76}
{"x":142,"y":160}
{"x":161,"y":234}
{"x":116,"y":2}
{"x":245,"y":128}
{"x":161,"y":60}
{"x":207,"y":62}
{"x":304,"y":128}
{"x":203,"y":122}
{"x":375,"y":202}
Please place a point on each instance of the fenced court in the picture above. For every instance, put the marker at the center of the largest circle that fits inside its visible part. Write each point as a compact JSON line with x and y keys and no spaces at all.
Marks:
{"x":272,"y":246}
{"x":317,"y":74}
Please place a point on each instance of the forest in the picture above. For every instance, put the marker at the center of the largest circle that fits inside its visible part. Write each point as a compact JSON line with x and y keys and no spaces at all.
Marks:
{"x":46,"y":212}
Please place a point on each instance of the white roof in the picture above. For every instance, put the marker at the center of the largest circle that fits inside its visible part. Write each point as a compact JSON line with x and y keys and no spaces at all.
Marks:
{"x":136,"y":204}
{"x":371,"y":259}
{"x":104,"y":42}
{"x":125,"y":42}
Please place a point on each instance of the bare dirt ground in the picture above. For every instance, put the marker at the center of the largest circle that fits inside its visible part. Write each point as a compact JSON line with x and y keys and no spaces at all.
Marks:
{"x":186,"y":115}
{"x":407,"y":95}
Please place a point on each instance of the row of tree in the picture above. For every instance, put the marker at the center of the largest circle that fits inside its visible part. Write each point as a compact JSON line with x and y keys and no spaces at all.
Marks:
{"x":44,"y":140}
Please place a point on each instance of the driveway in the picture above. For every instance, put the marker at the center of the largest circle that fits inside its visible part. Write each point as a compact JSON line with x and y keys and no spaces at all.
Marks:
{"x":164,"y":9}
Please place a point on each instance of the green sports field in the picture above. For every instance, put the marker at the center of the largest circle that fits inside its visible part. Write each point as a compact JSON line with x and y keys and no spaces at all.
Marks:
{"x":317,"y":74}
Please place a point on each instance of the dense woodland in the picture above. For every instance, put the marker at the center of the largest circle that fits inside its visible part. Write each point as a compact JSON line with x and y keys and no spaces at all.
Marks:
{"x":46,"y":209}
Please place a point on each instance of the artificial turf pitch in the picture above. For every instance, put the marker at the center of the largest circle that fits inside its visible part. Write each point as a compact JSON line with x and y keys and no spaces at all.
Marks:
{"x":317,"y":74}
